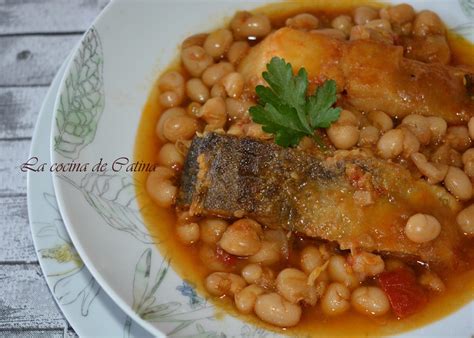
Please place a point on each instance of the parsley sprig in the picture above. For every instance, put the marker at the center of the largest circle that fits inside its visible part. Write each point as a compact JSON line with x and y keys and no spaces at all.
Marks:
{"x":285,"y":111}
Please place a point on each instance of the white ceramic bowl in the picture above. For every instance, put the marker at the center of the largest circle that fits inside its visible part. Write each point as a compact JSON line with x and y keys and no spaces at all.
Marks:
{"x":96,"y":117}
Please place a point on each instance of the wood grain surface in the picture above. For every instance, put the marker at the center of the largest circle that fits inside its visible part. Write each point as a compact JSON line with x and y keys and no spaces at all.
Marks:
{"x":33,"y":60}
{"x":26,"y":300}
{"x":35,"y":38}
{"x":51,"y":16}
{"x":19,"y":109}
{"x":16,"y":245}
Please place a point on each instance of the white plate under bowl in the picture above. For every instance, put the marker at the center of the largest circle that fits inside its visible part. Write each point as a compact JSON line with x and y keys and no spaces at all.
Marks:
{"x":96,"y":117}
{"x":88,"y":309}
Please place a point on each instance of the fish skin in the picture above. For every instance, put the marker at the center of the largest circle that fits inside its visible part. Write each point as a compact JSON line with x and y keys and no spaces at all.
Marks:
{"x":233,"y":177}
{"x":370,"y":75}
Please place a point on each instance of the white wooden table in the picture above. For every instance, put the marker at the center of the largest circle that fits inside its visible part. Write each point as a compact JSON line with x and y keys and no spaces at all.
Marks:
{"x":35,"y":38}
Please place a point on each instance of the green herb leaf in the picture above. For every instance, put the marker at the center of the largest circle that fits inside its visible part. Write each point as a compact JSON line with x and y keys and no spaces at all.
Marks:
{"x":319,"y":106}
{"x":282,"y":122}
{"x":290,"y":89}
{"x":285,"y":111}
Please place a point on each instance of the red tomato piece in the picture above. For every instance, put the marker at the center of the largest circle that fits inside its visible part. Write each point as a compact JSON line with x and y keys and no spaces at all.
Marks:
{"x":225,"y":257}
{"x":405,"y":295}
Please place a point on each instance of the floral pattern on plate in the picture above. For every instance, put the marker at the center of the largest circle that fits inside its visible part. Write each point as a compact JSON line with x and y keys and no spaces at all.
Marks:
{"x":82,"y":102}
{"x":85,"y":305}
{"x":65,"y":289}
{"x":113,"y":197}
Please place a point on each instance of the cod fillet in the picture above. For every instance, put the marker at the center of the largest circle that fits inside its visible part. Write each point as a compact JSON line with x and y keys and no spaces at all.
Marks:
{"x":350,"y":197}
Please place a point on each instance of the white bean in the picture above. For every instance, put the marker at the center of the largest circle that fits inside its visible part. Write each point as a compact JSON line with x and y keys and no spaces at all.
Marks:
{"x":446,"y":155}
{"x":163,"y":173}
{"x":374,"y":34}
{"x":380,"y":120}
{"x":242,"y":238}
{"x":171,"y":86}
{"x":197,"y":90}
{"x":194,"y":40}
{"x":177,"y":128}
{"x":237,"y":51}
{"x":343,"y":136}
{"x":390,"y":145}
{"x":399,"y":14}
{"x":380,"y":24}
{"x":255,"y":130}
{"x":368,"y":136}
{"x":169,"y":156}
{"x":216,"y":72}
{"x":237,"y":109}
{"x":431,"y":281}
{"x":162,"y":191}
{"x":212,"y":258}
{"x":458,"y":138}
{"x":370,"y":300}
{"x":268,"y":254}
{"x":468,"y":156}
{"x":218,"y":42}
{"x":426,"y":23}
{"x":364,"y":14}
{"x":274,"y":309}
{"x":410,"y":143}
{"x":438,"y":127}
{"x":172,"y":112}
{"x":366,"y":264}
{"x":188,"y":233}
{"x":458,"y":183}
{"x":347,"y":118}
{"x":465,"y":220}
{"x":392,"y":264}
{"x":469,"y":168}
{"x":212,"y":229}
{"x":343,"y":23}
{"x":218,"y":90}
{"x":214,"y":113}
{"x":253,"y":27}
{"x":193,"y":109}
{"x":422,"y":228}
{"x":170,"y":99}
{"x":195,"y":60}
{"x":310,"y":259}
{"x":435,"y":172}
{"x":263,"y":276}
{"x":224,"y":283}
{"x":303,"y":21}
{"x":335,"y":300}
{"x":419,"y":125}
{"x":252,"y":273}
{"x":245,"y":299}
{"x":470,"y":125}
{"x":233,"y":84}
{"x":340,"y":271}
{"x":280,"y":239}
{"x":292,"y":284}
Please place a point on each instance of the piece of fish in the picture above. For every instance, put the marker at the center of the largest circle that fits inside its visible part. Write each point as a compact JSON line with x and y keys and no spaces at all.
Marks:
{"x":371,"y":75}
{"x":316,"y":196}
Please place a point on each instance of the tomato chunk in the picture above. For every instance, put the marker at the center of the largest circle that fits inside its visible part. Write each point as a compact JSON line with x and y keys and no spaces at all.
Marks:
{"x":403,"y":292}
{"x":225,"y":258}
